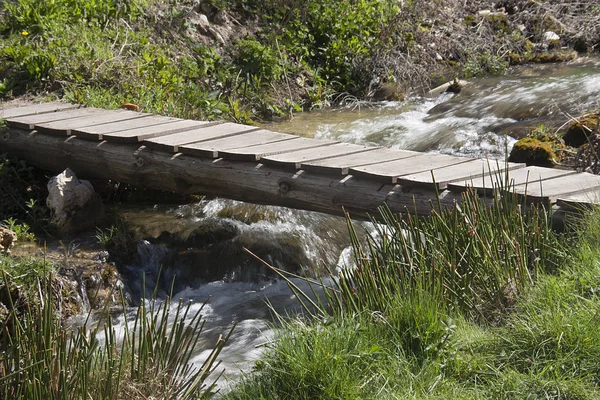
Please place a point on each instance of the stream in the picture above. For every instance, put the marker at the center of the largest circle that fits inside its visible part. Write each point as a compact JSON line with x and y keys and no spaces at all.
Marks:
{"x":200,"y":246}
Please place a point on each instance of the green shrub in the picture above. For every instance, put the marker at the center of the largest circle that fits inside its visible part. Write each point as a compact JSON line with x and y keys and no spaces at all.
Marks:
{"x":338,"y":35}
{"x":35,"y":17}
{"x":384,"y":330}
{"x":481,"y":64}
{"x":255,"y":59}
{"x":23,"y":194}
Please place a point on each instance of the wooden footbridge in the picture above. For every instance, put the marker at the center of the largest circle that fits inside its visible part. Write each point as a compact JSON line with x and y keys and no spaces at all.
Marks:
{"x":256,"y":165}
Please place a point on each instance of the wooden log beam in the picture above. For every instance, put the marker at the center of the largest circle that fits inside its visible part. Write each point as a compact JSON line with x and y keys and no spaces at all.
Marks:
{"x":239,"y":180}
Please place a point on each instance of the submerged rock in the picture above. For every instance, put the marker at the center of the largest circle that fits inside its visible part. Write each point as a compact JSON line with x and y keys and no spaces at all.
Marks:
{"x":74,"y":204}
{"x":532,"y":151}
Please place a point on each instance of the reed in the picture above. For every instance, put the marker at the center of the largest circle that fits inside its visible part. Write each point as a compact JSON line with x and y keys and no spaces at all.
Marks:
{"x":475,"y":258}
{"x":40,"y":358}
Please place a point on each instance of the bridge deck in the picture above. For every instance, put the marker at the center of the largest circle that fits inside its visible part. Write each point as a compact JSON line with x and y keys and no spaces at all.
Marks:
{"x":285,"y":157}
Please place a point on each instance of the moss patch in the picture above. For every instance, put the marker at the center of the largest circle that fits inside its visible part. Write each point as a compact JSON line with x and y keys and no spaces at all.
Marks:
{"x":532,"y":152}
{"x":558,"y":55}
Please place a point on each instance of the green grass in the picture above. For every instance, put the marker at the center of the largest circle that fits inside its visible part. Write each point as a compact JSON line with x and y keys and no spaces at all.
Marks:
{"x":394,"y":329}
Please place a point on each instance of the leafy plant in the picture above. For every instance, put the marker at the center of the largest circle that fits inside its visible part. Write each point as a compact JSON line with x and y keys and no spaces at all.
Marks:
{"x":117,"y":237}
{"x":256,"y":59}
{"x":482,"y":64}
{"x":20,"y":229}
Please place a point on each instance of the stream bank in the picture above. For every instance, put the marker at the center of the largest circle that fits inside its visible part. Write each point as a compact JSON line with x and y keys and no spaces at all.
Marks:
{"x":199,"y":243}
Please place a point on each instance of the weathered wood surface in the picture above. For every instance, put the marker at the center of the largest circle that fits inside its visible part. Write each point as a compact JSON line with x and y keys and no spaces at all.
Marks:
{"x":550,"y":190}
{"x":296,"y":159}
{"x":64,"y":127}
{"x":30,"y":121}
{"x":33,"y":109}
{"x":340,"y":165}
{"x":441,"y":177}
{"x":388,"y":172}
{"x":578,"y":201}
{"x":139,"y":134}
{"x":97,"y":132}
{"x":245,"y":181}
{"x":252,"y":164}
{"x":523,"y":176}
{"x":171,"y":143}
{"x":212,"y":148}
{"x":257,"y":152}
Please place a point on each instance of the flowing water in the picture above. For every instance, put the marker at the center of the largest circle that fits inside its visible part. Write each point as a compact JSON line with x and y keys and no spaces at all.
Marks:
{"x":201,"y":245}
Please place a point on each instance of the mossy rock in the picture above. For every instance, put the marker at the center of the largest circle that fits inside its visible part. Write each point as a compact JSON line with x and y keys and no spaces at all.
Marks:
{"x":578,"y":131}
{"x":552,"y":56}
{"x":558,"y":55}
{"x":532,"y":152}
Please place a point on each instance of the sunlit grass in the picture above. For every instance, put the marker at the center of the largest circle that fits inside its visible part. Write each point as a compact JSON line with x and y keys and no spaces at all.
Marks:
{"x":475,"y":302}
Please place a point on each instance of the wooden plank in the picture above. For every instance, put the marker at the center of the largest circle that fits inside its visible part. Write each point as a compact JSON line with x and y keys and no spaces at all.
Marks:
{"x":171,"y":143}
{"x":121,"y":126}
{"x":212,"y":148}
{"x":340,"y":165}
{"x":29,"y":121}
{"x":515,"y":178}
{"x":579,"y":201}
{"x":296,"y":159}
{"x":64,"y":128}
{"x":33,"y":109}
{"x":255,"y":153}
{"x":460,"y":172}
{"x":389,"y":172}
{"x":549,"y":190}
{"x":139,"y":129}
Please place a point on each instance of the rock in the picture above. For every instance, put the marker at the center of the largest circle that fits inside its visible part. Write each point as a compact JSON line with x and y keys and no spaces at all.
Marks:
{"x":217,"y":35}
{"x":73,"y":202}
{"x":581,"y":129}
{"x":390,"y":91}
{"x":456,"y":86}
{"x":550,"y":36}
{"x":555,"y":55}
{"x":7,"y":240}
{"x":532,"y":152}
{"x":200,"y":22}
{"x":484,"y":13}
{"x":212,"y":230}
